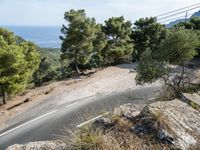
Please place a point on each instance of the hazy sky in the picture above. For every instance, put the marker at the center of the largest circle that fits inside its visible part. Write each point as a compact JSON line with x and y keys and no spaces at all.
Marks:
{"x":50,"y":12}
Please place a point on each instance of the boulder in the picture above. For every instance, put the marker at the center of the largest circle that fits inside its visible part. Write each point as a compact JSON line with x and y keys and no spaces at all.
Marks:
{"x":180,"y":120}
{"x":102,"y":123}
{"x":40,"y":145}
{"x":130,"y":111}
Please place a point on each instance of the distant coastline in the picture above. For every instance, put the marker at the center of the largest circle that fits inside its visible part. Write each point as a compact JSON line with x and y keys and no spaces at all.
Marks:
{"x":43,"y":36}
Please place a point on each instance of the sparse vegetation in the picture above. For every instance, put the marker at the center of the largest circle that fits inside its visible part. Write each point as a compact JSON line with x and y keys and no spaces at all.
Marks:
{"x":117,"y":137}
{"x":195,"y":106}
{"x":192,"y":88}
{"x":161,"y":121}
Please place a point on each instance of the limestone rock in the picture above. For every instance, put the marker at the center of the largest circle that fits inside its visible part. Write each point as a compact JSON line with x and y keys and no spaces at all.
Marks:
{"x":130,"y":111}
{"x":40,"y":145}
{"x":182,"y":120}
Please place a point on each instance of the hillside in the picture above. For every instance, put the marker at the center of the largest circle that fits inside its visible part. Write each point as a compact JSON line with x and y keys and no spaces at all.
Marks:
{"x":196,"y":14}
{"x":51,"y":54}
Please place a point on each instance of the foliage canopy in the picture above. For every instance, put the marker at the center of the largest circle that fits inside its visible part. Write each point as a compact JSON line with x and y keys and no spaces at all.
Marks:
{"x":178,"y":47}
{"x":147,"y":33}
{"x":119,"y":43}
{"x":79,"y":37}
{"x":18,"y":61}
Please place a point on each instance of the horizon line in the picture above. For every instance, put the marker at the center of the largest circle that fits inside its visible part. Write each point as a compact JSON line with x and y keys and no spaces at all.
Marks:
{"x":30,"y":25}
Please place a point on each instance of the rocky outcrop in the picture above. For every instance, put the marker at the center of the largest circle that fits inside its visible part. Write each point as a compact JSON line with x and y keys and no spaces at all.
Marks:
{"x":179,"y":119}
{"x":41,"y":145}
{"x":175,"y":122}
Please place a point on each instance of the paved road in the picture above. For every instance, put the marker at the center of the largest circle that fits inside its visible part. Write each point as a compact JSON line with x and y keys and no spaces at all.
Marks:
{"x":51,"y":124}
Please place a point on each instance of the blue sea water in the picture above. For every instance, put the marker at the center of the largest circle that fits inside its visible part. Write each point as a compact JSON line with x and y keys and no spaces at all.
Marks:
{"x":43,"y":36}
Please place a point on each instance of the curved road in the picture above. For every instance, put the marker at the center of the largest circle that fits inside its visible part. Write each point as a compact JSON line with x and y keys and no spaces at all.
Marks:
{"x":51,"y":124}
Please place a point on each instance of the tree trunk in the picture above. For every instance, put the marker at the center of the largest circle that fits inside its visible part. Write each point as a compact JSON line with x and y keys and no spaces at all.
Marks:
{"x":77,"y":69}
{"x":4,"y":95}
{"x":4,"y":98}
{"x":99,"y":64}
{"x":176,"y":90}
{"x":75,"y":62}
{"x":182,"y":74}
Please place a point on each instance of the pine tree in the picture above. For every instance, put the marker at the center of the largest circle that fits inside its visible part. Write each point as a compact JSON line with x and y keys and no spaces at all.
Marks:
{"x":147,"y":33}
{"x":18,"y":61}
{"x":99,"y":44}
{"x":119,"y":44}
{"x":78,"y":38}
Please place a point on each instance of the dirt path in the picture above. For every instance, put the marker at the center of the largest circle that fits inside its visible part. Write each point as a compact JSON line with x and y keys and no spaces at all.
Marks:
{"x":111,"y":79}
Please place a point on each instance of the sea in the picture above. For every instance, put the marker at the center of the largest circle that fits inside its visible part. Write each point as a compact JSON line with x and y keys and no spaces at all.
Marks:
{"x":43,"y":36}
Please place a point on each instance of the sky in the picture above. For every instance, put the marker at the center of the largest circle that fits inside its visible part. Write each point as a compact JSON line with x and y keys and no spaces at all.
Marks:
{"x":51,"y":12}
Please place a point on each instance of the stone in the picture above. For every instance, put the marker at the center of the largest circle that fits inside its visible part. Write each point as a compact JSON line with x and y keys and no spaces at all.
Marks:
{"x":165,"y":137}
{"x":40,"y":145}
{"x":140,"y":129}
{"x":102,"y":123}
{"x":130,"y":111}
{"x":27,"y":100}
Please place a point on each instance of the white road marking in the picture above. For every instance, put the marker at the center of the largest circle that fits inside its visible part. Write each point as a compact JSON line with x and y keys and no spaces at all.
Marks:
{"x":84,"y":123}
{"x":28,"y":122}
{"x":71,"y":104}
{"x":47,"y":114}
{"x":89,"y":99}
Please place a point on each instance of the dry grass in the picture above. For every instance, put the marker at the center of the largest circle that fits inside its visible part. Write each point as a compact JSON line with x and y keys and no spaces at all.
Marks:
{"x":118,"y":137}
{"x":86,"y":138}
{"x":123,"y":124}
{"x":167,"y":94}
{"x":160,"y":120}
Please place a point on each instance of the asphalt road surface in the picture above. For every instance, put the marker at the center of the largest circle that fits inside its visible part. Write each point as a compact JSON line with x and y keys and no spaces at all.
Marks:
{"x":52,"y":124}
